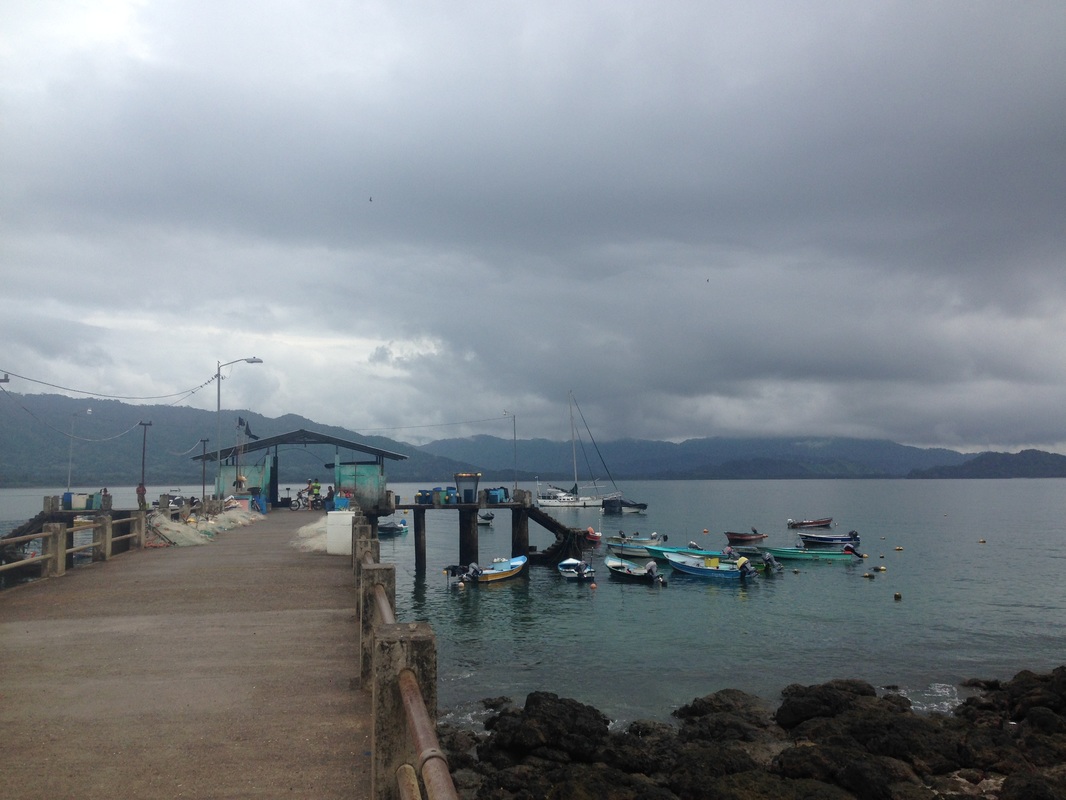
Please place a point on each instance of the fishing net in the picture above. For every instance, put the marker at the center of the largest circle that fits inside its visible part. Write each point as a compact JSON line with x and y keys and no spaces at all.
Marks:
{"x":311,"y":538}
{"x":197,"y":530}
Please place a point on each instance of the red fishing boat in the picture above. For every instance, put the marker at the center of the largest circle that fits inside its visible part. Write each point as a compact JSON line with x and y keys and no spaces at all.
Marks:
{"x":824,"y":522}
{"x":744,"y":538}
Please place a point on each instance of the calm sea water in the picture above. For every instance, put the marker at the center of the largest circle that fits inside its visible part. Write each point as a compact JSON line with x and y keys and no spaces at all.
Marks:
{"x":968,"y":609}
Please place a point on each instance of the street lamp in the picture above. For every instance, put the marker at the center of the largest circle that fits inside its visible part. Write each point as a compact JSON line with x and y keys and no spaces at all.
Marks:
{"x":218,"y":413}
{"x":144,"y":445}
{"x":70,"y":454}
{"x":514,"y":439}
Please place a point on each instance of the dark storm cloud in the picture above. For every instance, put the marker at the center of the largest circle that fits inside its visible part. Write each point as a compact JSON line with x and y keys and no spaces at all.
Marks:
{"x":704,"y":218}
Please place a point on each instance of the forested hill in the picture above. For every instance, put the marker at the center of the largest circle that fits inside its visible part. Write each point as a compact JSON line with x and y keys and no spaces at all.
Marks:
{"x":1026,"y":464}
{"x":37,"y":449}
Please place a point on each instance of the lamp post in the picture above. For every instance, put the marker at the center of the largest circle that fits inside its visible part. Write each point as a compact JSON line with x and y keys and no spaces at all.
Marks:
{"x":70,"y":454}
{"x":514,"y":440}
{"x":218,"y":412}
{"x":144,"y":445}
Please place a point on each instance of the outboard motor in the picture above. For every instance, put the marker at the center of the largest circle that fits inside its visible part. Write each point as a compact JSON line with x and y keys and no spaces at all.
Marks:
{"x":771,"y":562}
{"x":472,"y":571}
{"x":694,"y":546}
{"x":746,"y":569}
{"x":850,"y":548}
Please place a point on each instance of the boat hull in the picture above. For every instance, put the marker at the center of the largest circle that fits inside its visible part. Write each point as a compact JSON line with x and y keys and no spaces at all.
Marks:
{"x":803,"y":554}
{"x":631,"y":547}
{"x":387,"y":530}
{"x":630,"y":571}
{"x":501,"y":570}
{"x":569,"y":502}
{"x":704,"y":567}
{"x":829,"y":538}
{"x":619,"y":505}
{"x":576,"y":570}
{"x":824,"y":522}
{"x":744,"y":538}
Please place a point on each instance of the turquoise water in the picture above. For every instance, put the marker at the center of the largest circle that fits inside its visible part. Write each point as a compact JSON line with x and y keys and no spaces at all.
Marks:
{"x":968,"y":609}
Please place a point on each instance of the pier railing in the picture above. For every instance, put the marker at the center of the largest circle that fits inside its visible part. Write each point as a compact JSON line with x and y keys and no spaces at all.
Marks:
{"x":57,"y":542}
{"x":398,"y":662}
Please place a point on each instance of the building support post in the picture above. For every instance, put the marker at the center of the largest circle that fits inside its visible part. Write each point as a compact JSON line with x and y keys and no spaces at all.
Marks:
{"x":468,"y":549}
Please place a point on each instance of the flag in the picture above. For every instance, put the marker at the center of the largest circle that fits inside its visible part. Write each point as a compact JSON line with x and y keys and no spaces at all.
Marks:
{"x":243,"y":423}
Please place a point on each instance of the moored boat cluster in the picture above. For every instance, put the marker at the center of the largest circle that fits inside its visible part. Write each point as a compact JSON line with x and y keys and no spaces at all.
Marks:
{"x":646,"y":558}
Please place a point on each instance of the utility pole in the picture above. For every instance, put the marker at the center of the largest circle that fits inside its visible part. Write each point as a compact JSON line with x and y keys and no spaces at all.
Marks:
{"x":203,"y":471}
{"x":144,"y":445}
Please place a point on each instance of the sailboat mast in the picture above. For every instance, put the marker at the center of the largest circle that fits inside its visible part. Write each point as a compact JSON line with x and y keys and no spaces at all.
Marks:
{"x":573,"y":435}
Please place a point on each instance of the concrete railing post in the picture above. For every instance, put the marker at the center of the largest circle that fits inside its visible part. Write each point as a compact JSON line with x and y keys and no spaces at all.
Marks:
{"x":398,"y":647}
{"x":362,"y":542}
{"x":55,"y":545}
{"x":370,"y":577}
{"x":141,"y":527}
{"x":102,"y":535}
{"x":360,"y":548}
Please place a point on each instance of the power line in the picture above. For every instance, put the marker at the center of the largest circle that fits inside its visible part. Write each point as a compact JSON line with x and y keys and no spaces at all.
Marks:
{"x":181,"y":394}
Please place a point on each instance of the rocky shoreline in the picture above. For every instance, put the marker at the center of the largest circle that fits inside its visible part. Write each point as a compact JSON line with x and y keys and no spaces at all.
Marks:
{"x":831,"y":741}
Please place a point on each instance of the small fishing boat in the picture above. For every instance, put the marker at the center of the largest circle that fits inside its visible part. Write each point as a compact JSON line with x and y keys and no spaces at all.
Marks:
{"x":711,"y":567}
{"x":736,"y":537}
{"x":574,"y":569}
{"x":815,"y":554}
{"x":851,"y":537}
{"x":727,"y":555}
{"x":623,"y":545}
{"x":392,"y":527}
{"x":658,"y":552}
{"x":630,"y":571}
{"x":824,"y":522}
{"x":592,"y":535}
{"x":501,"y":570}
{"x":485,"y":518}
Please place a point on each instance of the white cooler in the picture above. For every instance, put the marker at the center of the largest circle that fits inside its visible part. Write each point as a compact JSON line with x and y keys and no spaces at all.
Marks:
{"x":339,"y":532}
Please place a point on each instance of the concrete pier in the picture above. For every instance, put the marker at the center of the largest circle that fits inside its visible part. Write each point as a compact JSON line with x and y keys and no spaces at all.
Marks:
{"x":228,"y":670}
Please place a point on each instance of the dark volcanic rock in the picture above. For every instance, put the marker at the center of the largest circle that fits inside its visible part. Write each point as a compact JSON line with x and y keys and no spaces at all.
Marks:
{"x":832,"y":741}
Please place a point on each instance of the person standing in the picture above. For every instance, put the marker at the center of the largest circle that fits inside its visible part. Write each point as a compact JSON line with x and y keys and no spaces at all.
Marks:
{"x":142,"y":503}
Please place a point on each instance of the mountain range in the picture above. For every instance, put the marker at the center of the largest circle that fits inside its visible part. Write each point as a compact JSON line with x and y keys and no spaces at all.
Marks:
{"x":46,"y":439}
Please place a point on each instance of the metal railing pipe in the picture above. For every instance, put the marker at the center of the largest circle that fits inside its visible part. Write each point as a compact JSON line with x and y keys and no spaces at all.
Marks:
{"x":432,"y":765}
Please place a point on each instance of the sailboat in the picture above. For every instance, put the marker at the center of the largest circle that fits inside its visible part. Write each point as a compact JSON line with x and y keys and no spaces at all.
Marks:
{"x":557,"y":497}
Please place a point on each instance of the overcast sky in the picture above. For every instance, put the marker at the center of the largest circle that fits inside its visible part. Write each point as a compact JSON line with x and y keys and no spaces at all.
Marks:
{"x":704,"y":218}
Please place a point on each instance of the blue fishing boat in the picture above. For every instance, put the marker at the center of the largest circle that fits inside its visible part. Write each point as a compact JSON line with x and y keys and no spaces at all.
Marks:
{"x":706,"y":566}
{"x":851,"y":537}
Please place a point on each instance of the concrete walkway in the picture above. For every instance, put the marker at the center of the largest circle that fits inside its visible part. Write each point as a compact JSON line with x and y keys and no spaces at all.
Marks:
{"x":227,"y":670}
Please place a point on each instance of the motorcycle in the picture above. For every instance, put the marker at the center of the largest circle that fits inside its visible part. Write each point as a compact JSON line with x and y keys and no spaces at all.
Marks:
{"x":301,"y":502}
